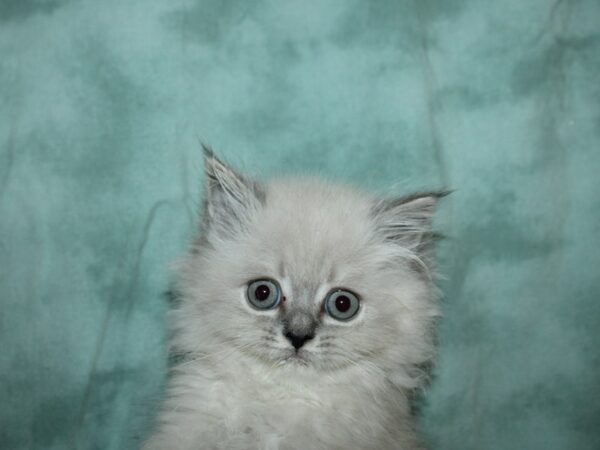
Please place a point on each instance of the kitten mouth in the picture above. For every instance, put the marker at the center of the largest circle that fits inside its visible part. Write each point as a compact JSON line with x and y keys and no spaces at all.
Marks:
{"x":297,"y":357}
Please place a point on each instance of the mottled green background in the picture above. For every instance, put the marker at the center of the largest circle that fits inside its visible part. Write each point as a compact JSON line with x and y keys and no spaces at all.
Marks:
{"x":102,"y":104}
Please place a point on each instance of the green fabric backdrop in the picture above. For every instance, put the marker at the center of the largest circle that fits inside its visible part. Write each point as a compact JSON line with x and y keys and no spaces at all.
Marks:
{"x":102,"y":104}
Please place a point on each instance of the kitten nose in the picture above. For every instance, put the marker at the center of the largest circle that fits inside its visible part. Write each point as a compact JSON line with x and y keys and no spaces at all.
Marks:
{"x":298,"y":340}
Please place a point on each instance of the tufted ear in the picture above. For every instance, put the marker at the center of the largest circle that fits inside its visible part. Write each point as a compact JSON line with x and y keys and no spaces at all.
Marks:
{"x":407,"y":221}
{"x":229,"y":198}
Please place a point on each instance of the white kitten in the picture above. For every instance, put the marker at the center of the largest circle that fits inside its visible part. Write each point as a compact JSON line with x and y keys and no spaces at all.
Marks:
{"x":306,"y":312}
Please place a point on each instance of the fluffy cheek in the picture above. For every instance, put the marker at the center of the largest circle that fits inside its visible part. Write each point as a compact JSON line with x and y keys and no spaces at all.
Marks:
{"x":215,"y":318}
{"x":372,"y":338}
{"x":254,"y":333}
{"x":242,"y":328}
{"x":346,"y":344}
{"x":386,"y":326}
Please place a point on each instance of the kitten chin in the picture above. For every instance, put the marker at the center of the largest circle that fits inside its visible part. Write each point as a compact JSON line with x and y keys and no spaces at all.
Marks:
{"x":305,"y":313}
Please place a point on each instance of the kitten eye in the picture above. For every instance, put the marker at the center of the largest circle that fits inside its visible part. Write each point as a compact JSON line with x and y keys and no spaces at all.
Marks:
{"x":341,"y":304}
{"x":263,"y":294}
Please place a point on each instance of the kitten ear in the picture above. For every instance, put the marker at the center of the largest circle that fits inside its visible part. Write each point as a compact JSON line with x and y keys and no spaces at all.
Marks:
{"x":407,"y":221}
{"x":230,"y":198}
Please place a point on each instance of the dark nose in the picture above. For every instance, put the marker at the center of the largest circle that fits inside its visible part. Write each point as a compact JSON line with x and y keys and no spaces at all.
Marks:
{"x":298,"y":340}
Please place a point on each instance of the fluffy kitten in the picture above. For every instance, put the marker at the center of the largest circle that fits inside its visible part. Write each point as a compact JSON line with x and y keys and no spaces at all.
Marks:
{"x":306,"y":312}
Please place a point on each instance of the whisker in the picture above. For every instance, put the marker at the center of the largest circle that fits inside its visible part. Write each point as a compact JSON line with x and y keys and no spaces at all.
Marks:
{"x":364,"y":365}
{"x":228,"y":352}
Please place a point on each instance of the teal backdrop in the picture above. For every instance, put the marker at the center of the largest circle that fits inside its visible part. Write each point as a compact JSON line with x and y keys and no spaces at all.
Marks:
{"x":103,"y":105}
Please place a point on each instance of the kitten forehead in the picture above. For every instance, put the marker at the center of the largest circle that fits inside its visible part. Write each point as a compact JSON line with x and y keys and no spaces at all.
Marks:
{"x":318,"y":208}
{"x":314,"y":227}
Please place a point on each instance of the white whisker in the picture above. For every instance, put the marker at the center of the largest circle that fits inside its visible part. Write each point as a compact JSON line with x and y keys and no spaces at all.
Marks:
{"x":227,"y":352}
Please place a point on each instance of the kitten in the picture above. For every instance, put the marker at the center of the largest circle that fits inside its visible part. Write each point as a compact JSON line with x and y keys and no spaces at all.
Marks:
{"x":305,"y":317}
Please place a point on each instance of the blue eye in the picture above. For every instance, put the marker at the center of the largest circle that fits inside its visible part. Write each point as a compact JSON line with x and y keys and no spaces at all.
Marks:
{"x":341,"y":304}
{"x":263,"y":294}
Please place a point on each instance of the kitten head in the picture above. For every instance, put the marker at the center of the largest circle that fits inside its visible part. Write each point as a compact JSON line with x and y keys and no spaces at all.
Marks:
{"x":310,"y":276}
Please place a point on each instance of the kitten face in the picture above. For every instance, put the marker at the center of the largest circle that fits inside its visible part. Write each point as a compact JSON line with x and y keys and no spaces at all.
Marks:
{"x":344,"y":276}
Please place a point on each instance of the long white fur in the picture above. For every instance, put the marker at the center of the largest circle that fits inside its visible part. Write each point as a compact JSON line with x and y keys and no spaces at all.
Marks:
{"x":237,"y":387}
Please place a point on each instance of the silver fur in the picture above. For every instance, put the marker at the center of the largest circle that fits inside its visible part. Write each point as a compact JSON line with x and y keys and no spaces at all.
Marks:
{"x":241,"y":385}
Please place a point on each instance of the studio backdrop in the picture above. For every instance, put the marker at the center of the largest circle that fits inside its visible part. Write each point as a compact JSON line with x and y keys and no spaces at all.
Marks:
{"x":103,"y":105}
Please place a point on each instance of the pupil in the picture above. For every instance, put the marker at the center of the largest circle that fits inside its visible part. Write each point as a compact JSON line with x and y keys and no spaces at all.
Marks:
{"x":342,"y":303}
{"x":262,"y":292}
